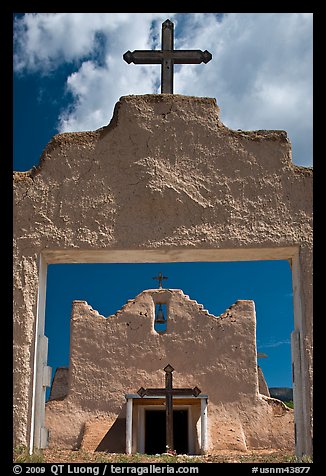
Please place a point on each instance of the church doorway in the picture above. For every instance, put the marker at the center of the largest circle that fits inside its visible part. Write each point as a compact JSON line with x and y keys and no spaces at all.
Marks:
{"x":155,"y":426}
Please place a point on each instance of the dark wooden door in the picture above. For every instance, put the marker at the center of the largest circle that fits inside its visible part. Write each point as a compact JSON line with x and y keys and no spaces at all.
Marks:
{"x":155,"y":427}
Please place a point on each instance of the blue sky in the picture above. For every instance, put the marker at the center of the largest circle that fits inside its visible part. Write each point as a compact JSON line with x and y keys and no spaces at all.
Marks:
{"x":68,"y":75}
{"x":107,"y":287}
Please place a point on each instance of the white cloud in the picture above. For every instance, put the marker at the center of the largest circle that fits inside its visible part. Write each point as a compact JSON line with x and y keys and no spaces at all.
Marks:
{"x":275,"y":344}
{"x":261,"y":71}
{"x":261,"y":74}
{"x":43,"y":41}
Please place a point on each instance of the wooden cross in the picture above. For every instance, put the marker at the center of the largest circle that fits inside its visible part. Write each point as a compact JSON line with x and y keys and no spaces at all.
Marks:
{"x":160,"y":278}
{"x":167,"y":57}
{"x":168,"y":392}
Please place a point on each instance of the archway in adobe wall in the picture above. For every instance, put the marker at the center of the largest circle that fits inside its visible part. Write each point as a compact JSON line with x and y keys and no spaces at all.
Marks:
{"x":165,"y":181}
{"x":154,"y":256}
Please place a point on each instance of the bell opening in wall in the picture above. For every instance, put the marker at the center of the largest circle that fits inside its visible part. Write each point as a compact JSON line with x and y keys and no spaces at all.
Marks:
{"x":160,"y":317}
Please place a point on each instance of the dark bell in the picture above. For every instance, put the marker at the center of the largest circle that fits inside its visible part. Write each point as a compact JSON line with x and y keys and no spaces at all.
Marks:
{"x":160,"y":319}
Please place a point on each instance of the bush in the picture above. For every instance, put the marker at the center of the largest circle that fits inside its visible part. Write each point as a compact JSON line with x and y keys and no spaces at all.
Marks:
{"x":289,"y":404}
{"x":21,"y":455}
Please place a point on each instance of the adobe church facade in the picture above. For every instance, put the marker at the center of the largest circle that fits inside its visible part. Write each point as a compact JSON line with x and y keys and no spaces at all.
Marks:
{"x":112,"y":358}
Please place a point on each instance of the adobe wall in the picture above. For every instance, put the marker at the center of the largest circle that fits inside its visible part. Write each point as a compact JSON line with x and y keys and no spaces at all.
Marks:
{"x":114,"y":356}
{"x":263,"y":388}
{"x":123,"y":352}
{"x":164,"y":177}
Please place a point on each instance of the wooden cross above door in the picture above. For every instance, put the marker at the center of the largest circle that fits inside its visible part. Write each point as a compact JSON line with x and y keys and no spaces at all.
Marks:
{"x":168,"y":392}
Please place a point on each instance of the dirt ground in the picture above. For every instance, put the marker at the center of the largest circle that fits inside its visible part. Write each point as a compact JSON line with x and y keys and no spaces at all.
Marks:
{"x":80,"y":456}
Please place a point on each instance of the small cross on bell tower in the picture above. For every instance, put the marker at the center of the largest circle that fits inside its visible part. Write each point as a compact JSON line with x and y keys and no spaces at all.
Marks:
{"x":160,"y":278}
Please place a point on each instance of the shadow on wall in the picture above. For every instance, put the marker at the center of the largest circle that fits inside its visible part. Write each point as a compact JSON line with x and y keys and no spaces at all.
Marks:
{"x":114,"y":440}
{"x":80,"y":436}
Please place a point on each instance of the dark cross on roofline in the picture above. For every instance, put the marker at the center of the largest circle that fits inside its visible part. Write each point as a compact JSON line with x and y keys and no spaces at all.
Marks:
{"x":160,"y":278}
{"x":169,"y":392}
{"x":167,"y":57}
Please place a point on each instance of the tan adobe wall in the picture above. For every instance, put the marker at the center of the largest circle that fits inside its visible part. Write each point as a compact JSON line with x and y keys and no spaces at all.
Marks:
{"x":263,"y":388}
{"x":114,"y":356}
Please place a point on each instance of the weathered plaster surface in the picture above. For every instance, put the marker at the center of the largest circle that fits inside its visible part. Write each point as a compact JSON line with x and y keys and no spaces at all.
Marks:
{"x":263,"y":387}
{"x":164,"y":175}
{"x":165,"y":158}
{"x":119,"y":354}
{"x":199,"y":346}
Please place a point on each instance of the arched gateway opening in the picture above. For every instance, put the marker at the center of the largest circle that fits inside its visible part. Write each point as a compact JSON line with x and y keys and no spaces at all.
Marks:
{"x":165,"y":181}
{"x":149,"y":415}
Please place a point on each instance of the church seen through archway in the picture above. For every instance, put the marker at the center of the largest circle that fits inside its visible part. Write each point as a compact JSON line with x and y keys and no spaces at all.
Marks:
{"x":116,"y":380}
